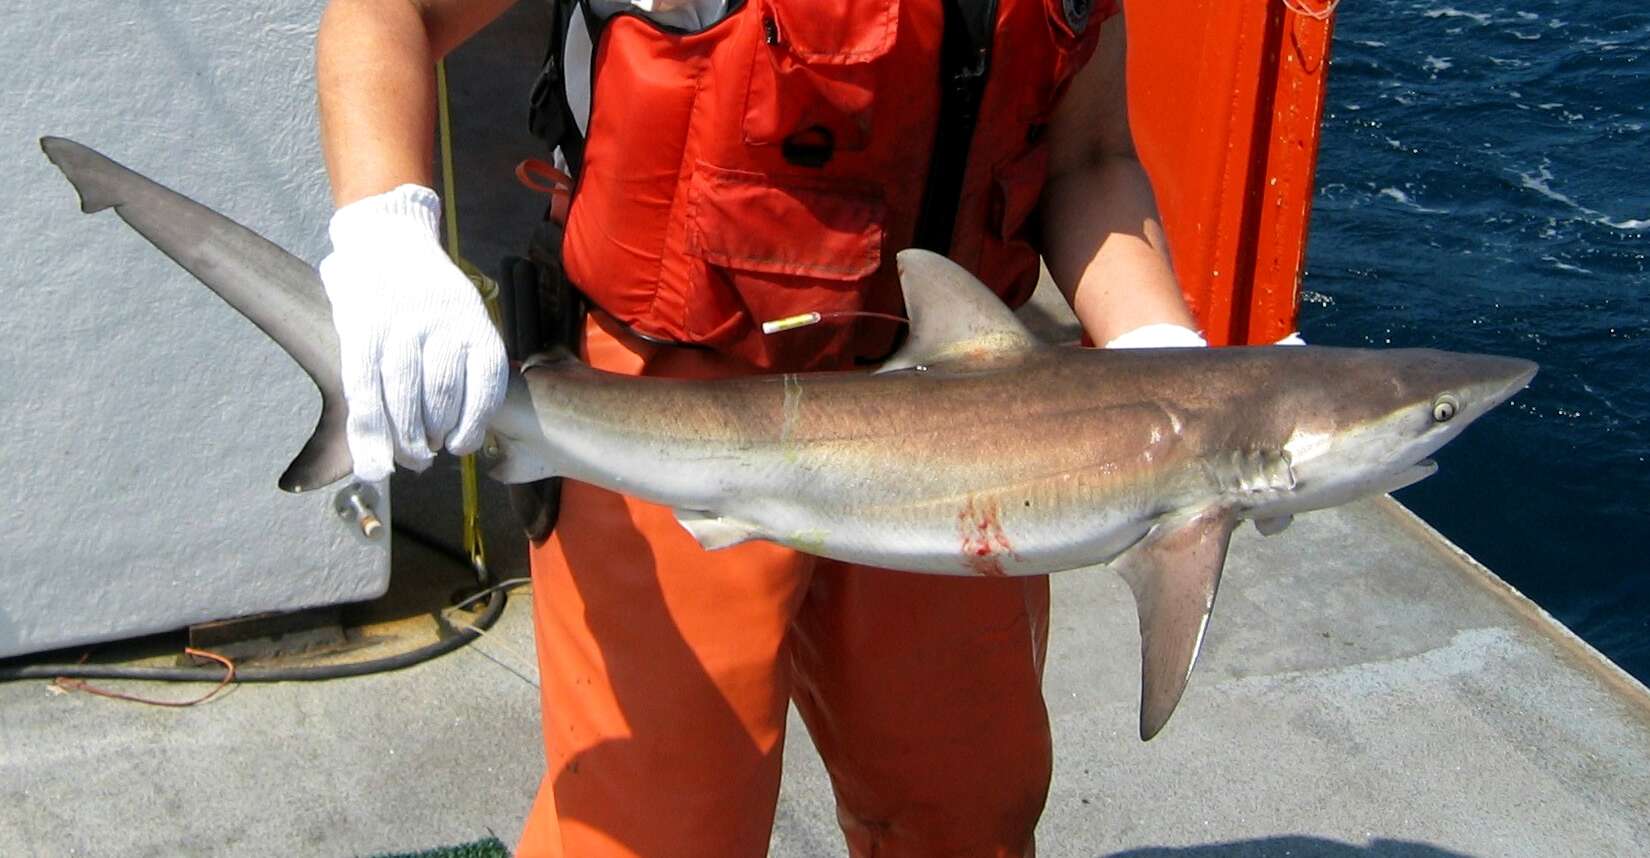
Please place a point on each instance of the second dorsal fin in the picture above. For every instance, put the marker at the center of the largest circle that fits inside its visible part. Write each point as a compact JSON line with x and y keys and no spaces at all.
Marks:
{"x":955,"y":320}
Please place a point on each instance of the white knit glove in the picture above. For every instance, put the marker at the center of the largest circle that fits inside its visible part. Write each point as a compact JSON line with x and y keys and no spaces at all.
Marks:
{"x":1163,"y":335}
{"x":423,"y":366}
{"x":1166,"y":335}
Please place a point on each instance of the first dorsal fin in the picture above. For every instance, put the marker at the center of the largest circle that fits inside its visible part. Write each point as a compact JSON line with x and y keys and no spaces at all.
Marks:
{"x":955,"y":320}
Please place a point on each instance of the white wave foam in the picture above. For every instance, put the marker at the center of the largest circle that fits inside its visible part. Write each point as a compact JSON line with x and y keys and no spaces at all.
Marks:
{"x":1369,"y":43}
{"x":1605,"y":44}
{"x":1480,"y":18}
{"x":1437,"y":64}
{"x":1403,"y":199}
{"x":1539,"y":182}
{"x":1565,"y":266}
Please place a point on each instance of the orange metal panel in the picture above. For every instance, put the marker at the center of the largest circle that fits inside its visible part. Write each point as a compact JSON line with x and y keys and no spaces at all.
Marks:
{"x":1225,"y":101}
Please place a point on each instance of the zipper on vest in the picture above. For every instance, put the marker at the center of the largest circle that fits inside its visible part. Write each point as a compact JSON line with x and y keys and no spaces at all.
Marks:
{"x":965,"y":63}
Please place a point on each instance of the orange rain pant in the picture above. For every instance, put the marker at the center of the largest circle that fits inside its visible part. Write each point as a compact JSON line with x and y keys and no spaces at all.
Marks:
{"x":666,"y":671}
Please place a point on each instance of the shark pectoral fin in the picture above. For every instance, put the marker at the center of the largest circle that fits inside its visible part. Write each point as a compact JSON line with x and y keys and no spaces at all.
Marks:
{"x":1174,"y":572}
{"x":1273,"y":526}
{"x":714,"y":531}
{"x":955,"y":320}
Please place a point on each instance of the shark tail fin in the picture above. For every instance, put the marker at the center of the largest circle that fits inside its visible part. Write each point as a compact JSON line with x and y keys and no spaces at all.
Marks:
{"x":275,"y":290}
{"x":1174,"y":573}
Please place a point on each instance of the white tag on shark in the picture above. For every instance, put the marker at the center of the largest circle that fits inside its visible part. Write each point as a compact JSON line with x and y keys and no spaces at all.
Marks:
{"x":713,"y":531}
{"x":955,"y":320}
{"x":1174,"y":572}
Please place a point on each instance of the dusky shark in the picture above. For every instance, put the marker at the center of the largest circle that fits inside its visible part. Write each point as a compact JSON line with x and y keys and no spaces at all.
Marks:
{"x":976,"y":450}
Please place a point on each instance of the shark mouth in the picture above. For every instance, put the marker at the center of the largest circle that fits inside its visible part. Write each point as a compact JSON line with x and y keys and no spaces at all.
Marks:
{"x":1412,"y":475}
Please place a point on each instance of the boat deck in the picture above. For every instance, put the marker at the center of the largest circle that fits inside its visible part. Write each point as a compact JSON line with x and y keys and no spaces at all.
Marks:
{"x":1366,"y":690}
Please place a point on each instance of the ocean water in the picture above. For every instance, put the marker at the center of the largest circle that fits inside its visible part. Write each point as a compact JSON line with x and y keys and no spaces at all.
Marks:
{"x":1484,"y":185}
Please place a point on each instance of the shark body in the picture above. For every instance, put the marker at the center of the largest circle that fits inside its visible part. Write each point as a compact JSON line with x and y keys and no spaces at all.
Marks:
{"x":975,"y":451}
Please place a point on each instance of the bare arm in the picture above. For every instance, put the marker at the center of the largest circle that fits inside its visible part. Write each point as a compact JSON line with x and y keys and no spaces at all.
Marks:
{"x":426,"y":369}
{"x":1103,"y":241}
{"x":375,"y":79}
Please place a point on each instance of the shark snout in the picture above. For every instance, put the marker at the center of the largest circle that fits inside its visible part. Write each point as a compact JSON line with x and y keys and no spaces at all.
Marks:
{"x":1502,"y":377}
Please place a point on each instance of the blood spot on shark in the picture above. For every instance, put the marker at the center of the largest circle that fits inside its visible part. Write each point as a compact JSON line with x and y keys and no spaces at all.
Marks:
{"x":983,"y":540}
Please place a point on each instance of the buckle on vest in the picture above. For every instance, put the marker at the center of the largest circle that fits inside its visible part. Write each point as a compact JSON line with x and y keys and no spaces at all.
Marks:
{"x":1077,"y":14}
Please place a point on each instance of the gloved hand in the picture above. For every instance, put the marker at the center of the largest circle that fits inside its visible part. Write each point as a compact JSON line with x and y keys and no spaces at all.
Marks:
{"x":1168,"y":335}
{"x":1163,"y":335}
{"x":423,"y":366}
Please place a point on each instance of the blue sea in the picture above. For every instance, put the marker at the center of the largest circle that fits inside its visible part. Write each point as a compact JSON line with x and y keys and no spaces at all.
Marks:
{"x":1484,"y":185}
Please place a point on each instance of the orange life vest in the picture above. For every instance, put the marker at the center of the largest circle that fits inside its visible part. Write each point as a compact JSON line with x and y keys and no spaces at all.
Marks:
{"x":774,"y":163}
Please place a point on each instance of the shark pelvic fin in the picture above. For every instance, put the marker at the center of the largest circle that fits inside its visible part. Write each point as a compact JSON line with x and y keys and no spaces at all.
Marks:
{"x":277,"y":291}
{"x":1174,"y":572}
{"x":713,"y":531}
{"x":955,"y":320}
{"x":513,"y":464}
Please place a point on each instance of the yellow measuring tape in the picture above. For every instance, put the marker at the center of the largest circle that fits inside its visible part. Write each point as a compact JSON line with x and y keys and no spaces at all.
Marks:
{"x":488,"y":288}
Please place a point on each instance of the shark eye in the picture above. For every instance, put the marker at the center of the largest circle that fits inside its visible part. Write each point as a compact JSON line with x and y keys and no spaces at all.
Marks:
{"x":1444,"y":408}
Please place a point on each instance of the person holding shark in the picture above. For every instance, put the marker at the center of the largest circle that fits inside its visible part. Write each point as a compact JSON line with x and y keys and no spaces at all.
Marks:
{"x":740,"y":162}
{"x":974,"y":453}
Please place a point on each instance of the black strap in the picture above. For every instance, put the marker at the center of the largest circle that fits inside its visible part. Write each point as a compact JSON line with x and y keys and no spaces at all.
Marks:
{"x":965,"y":60}
{"x":549,"y":117}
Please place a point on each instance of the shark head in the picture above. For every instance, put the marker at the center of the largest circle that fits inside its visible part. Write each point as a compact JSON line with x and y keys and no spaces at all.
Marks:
{"x":1374,"y":417}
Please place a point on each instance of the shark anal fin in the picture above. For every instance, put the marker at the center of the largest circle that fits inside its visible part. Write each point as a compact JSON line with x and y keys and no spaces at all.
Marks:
{"x":955,"y":320}
{"x":713,"y":531}
{"x":1174,"y":572}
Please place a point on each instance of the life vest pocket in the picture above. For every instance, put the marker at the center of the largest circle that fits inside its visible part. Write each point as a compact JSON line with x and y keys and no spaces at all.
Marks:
{"x":794,"y":225}
{"x":765,"y":247}
{"x":814,"y":78}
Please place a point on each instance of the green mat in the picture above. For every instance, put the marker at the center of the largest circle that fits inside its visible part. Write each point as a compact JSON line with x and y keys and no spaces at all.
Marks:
{"x":492,"y":847}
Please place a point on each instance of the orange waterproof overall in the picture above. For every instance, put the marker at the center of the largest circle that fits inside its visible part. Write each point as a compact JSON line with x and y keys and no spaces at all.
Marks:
{"x":703,"y":209}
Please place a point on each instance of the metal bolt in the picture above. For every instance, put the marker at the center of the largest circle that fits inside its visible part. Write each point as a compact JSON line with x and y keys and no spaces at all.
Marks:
{"x":355,"y":504}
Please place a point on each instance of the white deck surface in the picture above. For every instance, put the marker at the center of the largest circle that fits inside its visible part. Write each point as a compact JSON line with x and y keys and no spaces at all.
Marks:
{"x":1365,"y":691}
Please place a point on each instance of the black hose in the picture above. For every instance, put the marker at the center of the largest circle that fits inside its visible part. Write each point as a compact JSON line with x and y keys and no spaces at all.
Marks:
{"x":489,"y":616}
